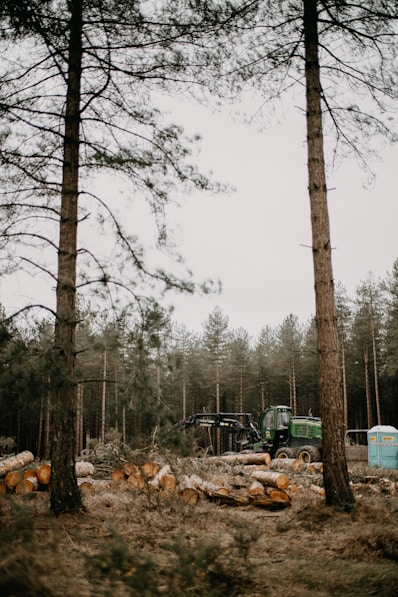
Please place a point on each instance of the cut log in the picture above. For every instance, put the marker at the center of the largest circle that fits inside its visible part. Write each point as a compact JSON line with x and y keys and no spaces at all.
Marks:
{"x":252,"y":458}
{"x":3,"y":488}
{"x":25,"y":486}
{"x":272,"y":478}
{"x":277,"y":495}
{"x":15,"y":462}
{"x":96,"y":483}
{"x":249,"y":468}
{"x":12,"y":479}
{"x":34,"y":480}
{"x":155,"y":482}
{"x":130,"y":468}
{"x":229,"y":498}
{"x":118,"y":476}
{"x":30,"y":473}
{"x":136,"y":481}
{"x":85,"y":487}
{"x":168,"y":482}
{"x":256,"y":488}
{"x":190,"y":496}
{"x":314,"y":467}
{"x":317,"y":489}
{"x":206,"y":487}
{"x":44,"y":474}
{"x":295,"y":488}
{"x":150,"y":469}
{"x":84,"y":469}
{"x":286,"y":464}
{"x":264,"y":501}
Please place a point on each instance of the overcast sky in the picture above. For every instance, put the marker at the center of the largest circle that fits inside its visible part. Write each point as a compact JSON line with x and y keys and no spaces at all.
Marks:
{"x":257,"y":239}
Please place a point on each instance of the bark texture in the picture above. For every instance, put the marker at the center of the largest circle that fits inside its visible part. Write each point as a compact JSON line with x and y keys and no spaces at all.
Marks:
{"x":336,"y":481}
{"x":65,"y":495}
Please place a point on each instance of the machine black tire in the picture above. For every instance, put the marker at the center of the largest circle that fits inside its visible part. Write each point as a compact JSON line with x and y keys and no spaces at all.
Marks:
{"x":285,"y":453}
{"x":309,"y":454}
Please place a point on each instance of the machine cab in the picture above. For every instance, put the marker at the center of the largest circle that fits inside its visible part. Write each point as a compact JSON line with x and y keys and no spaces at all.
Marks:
{"x":274,"y":423}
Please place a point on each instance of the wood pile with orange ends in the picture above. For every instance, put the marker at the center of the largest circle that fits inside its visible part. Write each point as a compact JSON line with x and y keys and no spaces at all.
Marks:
{"x":261,"y":481}
{"x":192,"y":488}
{"x":233,"y":479}
{"x":36,"y":478}
{"x":29,"y":481}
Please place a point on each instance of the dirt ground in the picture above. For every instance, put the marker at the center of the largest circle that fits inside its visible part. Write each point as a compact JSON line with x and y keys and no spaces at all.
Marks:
{"x":147,"y":543}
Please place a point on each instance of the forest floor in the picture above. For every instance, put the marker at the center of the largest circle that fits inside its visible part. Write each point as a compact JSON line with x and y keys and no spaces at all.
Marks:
{"x":147,"y":543}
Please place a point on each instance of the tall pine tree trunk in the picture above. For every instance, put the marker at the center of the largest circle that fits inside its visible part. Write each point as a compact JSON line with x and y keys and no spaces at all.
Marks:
{"x":345,"y":393}
{"x":376,"y":374}
{"x":367,"y":387}
{"x":65,"y":495}
{"x":103,"y":401}
{"x":336,"y":481}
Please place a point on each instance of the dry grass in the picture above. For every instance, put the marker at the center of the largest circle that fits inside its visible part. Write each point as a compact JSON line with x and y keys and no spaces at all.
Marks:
{"x":148,"y":544}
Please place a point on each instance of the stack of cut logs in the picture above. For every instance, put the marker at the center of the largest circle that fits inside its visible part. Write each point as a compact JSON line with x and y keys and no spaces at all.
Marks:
{"x":31,"y":479}
{"x":263,"y":485}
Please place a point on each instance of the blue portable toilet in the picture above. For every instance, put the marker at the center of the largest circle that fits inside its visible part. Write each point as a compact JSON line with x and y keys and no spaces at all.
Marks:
{"x":383,"y":446}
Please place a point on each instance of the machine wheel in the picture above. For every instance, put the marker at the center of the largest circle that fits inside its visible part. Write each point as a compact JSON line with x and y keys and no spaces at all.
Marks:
{"x":309,"y":454}
{"x":285,"y":453}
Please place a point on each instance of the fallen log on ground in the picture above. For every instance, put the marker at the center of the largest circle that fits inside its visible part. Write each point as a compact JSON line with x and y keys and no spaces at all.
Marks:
{"x":190,"y":496}
{"x":229,"y":499}
{"x":150,"y":469}
{"x":136,"y":480}
{"x":314,"y":467}
{"x":30,"y":472}
{"x":155,"y":482}
{"x":272,"y":478}
{"x":15,"y":462}
{"x":12,"y":479}
{"x":32,"y":479}
{"x":249,"y":468}
{"x":84,"y":469}
{"x":207,"y":487}
{"x":118,"y":476}
{"x":264,"y":501}
{"x":253,"y":458}
{"x":25,"y":486}
{"x":277,"y":495}
{"x":256,"y":488}
{"x":94,"y":483}
{"x":317,"y":489}
{"x":256,"y":494}
{"x":129,"y":468}
{"x":168,"y":482}
{"x":293,"y":464}
{"x":44,"y":474}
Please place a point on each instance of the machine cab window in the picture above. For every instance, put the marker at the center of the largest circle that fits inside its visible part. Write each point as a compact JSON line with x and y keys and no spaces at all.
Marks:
{"x":268,"y":421}
{"x":283,"y":420}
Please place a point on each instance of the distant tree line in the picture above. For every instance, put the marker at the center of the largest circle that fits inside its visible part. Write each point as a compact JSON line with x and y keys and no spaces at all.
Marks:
{"x":135,"y":379}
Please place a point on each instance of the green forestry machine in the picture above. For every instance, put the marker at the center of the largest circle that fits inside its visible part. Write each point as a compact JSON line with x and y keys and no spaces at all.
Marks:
{"x":278,"y":432}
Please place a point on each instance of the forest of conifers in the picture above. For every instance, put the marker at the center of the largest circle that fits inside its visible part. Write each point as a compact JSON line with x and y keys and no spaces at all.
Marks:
{"x":137,"y":378}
